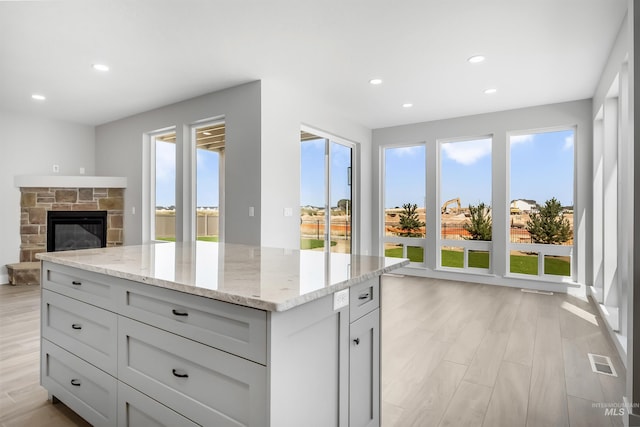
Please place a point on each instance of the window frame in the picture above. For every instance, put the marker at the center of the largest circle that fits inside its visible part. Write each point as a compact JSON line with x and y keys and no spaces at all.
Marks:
{"x":541,"y":249}
{"x":466,"y":245}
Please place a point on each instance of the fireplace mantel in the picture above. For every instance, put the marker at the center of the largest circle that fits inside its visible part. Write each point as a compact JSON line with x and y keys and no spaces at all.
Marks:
{"x":61,"y":181}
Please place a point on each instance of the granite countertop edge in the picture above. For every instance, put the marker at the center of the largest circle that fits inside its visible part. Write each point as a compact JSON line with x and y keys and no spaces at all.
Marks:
{"x":252,"y":302}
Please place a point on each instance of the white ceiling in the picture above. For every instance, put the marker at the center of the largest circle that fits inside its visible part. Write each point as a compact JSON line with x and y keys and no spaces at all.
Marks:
{"x":163,"y":51}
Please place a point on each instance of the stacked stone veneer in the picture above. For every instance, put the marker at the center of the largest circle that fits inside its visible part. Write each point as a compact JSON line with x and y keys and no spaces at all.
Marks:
{"x":36,"y":202}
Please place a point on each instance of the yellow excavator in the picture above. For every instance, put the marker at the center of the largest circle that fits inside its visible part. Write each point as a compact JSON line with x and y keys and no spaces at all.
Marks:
{"x":445,"y":207}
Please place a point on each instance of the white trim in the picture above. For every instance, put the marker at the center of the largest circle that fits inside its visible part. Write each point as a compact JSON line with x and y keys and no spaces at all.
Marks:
{"x":61,"y":181}
{"x":355,"y":184}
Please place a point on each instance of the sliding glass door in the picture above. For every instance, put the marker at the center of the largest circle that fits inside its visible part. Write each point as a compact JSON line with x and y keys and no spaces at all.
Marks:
{"x":326,"y":196}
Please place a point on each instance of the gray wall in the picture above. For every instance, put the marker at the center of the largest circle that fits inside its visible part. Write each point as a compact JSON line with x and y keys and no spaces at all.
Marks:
{"x":31,"y":146}
{"x":262,"y":158}
{"x":577,"y":113}
{"x":284,"y":110}
{"x":119,"y":150}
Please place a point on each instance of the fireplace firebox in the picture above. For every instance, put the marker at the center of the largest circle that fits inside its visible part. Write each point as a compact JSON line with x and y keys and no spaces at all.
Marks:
{"x":69,"y":230}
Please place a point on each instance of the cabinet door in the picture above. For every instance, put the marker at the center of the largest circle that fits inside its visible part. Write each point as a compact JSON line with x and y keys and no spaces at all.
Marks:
{"x":87,"y":390}
{"x":364,"y":371}
{"x":137,"y":409}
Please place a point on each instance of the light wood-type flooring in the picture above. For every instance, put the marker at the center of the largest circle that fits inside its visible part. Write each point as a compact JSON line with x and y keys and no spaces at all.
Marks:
{"x":453,"y":354}
{"x":461,"y":354}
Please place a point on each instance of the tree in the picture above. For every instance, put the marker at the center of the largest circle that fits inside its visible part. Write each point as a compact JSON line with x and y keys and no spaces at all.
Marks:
{"x":549,"y":226}
{"x":480,"y":225}
{"x":344,"y":205}
{"x":409,"y":222}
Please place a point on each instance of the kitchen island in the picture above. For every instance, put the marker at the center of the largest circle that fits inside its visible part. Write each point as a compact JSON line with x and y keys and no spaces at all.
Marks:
{"x":213,"y":334}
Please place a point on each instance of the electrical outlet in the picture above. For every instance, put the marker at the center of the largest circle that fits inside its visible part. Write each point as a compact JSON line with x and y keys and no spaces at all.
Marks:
{"x":341,"y":299}
{"x":252,"y":211}
{"x":81,"y":171}
{"x":56,"y":168}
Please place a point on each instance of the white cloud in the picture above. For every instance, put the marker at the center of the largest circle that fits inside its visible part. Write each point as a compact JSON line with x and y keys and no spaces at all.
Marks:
{"x":405,"y":151}
{"x":568,"y":143}
{"x":467,"y":152}
{"x":521,"y":139}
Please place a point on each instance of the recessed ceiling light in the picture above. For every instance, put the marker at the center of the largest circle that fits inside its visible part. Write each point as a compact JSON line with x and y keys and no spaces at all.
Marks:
{"x":375,"y":81}
{"x":100,"y":67}
{"x":38,"y":97}
{"x":490,"y":91}
{"x":476,"y":59}
{"x":407,"y":105}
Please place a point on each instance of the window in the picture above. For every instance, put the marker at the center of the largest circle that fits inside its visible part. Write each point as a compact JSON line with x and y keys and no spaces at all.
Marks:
{"x":404,"y":202}
{"x":209,"y":145}
{"x":541,"y":203}
{"x":465,"y":203}
{"x":163,"y":151}
{"x":326,"y":193}
{"x":194,"y":163}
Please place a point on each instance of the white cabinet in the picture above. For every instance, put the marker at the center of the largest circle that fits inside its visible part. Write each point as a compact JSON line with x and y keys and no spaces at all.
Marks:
{"x":125,"y":353}
{"x":364,"y":355}
{"x":87,"y":390}
{"x":209,"y":385}
{"x":136,"y":409}
{"x":88,"y":331}
{"x":364,"y":371}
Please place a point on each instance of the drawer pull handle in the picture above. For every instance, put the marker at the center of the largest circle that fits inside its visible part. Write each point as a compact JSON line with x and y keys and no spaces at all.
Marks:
{"x":76,"y":283}
{"x":76,"y":326}
{"x":75,"y":382}
{"x":357,"y":341}
{"x":179,"y":374}
{"x":364,"y":296}
{"x":179,"y":313}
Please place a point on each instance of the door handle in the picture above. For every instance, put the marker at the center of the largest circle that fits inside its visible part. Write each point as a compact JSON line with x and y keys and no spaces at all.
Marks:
{"x":75,"y":382}
{"x":76,"y":326}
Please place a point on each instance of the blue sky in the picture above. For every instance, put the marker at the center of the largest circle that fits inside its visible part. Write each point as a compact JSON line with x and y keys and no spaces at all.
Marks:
{"x":312,"y":172}
{"x":541,"y":168}
{"x":207,"y":175}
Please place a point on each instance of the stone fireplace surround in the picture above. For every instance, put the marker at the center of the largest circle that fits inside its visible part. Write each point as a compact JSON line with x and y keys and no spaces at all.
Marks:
{"x":66,"y":194}
{"x":35,"y":202}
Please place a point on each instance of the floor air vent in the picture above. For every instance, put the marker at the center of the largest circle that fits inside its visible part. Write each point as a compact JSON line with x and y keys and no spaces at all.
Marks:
{"x":602,"y":365}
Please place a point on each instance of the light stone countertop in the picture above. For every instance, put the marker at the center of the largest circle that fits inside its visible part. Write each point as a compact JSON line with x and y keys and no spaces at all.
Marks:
{"x":269,"y":279}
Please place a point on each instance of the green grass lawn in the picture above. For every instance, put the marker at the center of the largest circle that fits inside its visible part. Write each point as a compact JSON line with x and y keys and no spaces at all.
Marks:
{"x":201,"y":238}
{"x":313,"y":243}
{"x":522,"y":264}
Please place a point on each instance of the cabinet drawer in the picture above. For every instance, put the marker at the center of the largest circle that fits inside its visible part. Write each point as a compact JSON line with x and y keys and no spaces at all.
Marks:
{"x":87,"y":390}
{"x":85,"y":286}
{"x":363,"y":298}
{"x":136,"y":409}
{"x":206,"y":385}
{"x":232,"y":328}
{"x":84,"y":330}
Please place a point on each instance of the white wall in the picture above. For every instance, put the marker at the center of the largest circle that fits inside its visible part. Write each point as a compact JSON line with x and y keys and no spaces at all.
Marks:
{"x":284,"y":110}
{"x":577,"y":113}
{"x":119,"y":150}
{"x":613,"y":168}
{"x":31,"y":146}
